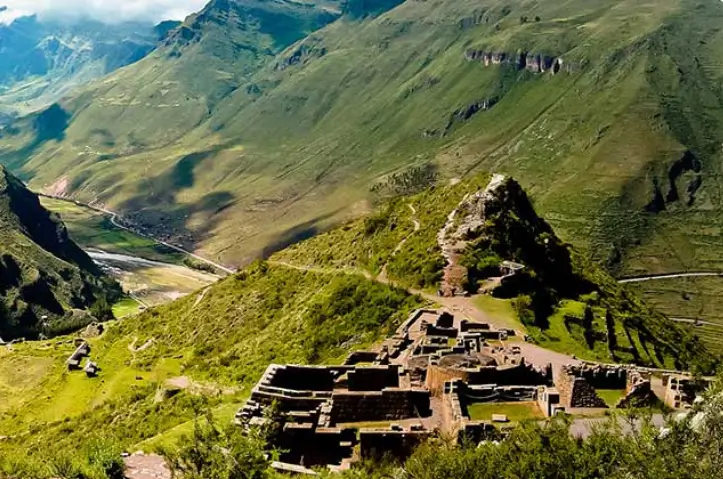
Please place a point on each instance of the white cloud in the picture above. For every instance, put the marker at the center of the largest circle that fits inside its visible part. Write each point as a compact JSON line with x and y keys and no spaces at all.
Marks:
{"x":111,"y":11}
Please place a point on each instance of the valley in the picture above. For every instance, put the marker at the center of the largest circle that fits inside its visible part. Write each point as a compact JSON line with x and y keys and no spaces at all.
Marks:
{"x":151,"y":273}
{"x":380,"y":238}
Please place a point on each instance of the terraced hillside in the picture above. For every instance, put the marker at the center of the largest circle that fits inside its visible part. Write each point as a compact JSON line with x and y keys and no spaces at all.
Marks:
{"x":310,"y":304}
{"x":608,"y":112}
{"x":43,"y":274}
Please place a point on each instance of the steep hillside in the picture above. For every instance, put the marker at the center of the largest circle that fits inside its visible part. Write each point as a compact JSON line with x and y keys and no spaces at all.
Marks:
{"x":42,"y":60}
{"x":472,"y":237}
{"x":43,"y":273}
{"x":608,"y":112}
{"x":313,"y":304}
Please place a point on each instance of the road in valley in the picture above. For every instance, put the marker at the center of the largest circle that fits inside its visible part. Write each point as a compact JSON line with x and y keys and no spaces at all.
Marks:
{"x":113,"y":216}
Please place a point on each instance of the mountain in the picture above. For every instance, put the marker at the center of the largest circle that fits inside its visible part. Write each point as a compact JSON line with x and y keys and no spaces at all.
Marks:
{"x":313,"y":303}
{"x":235,"y":139}
{"x":43,"y":274}
{"x":41,"y":60}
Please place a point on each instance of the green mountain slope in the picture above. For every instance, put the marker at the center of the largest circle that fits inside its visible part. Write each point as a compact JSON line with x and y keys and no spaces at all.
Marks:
{"x":43,"y":273}
{"x":310,"y":304}
{"x":42,"y":59}
{"x":617,"y":139}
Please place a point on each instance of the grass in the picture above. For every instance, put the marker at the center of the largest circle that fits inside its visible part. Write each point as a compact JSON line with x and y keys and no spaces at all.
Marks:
{"x":588,"y":142}
{"x":500,"y":312}
{"x":126,"y":307}
{"x":515,"y":412}
{"x":610,"y":396}
{"x":92,"y":229}
{"x":225,"y":337}
{"x":689,"y":298}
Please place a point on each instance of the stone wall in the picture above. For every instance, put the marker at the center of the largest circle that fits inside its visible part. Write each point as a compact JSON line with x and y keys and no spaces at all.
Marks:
{"x":373,"y":378}
{"x":390,"y":404}
{"x":358,"y":357}
{"x":393,"y":443}
{"x":575,"y":391}
{"x":520,"y":374}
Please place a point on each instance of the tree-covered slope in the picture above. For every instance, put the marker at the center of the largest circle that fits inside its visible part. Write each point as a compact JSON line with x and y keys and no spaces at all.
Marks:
{"x":608,"y":112}
{"x":43,"y":274}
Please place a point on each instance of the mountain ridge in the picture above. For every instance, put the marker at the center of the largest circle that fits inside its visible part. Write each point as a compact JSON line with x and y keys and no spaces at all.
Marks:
{"x":286,"y":142}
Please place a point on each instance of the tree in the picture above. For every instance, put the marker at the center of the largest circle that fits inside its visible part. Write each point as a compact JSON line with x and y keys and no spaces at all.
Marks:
{"x":213,"y":452}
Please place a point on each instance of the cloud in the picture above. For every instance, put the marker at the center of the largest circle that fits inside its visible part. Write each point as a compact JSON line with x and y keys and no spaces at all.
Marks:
{"x":110,"y":11}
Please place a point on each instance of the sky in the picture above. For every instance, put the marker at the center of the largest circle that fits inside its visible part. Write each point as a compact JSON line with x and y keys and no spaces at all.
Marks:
{"x":111,"y":11}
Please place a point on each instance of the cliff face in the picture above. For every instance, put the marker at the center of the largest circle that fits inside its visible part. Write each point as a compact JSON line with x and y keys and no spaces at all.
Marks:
{"x":43,"y":273}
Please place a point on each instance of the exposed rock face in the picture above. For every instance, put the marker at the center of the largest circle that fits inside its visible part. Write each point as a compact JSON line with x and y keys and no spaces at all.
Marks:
{"x":534,"y":62}
{"x":686,"y":170}
{"x":456,"y":234}
{"x":464,"y":114}
{"x":301,"y":55}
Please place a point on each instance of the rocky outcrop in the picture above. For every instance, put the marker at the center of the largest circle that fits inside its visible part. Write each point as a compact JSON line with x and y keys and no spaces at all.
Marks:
{"x":686,"y":170}
{"x":301,"y":55}
{"x":533,"y":62}
{"x":463,"y":114}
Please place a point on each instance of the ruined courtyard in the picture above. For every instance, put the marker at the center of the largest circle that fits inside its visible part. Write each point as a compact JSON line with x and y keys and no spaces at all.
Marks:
{"x":438,"y":375}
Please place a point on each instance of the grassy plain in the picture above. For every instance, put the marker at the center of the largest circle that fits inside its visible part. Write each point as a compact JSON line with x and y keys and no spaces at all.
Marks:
{"x":515,"y":412}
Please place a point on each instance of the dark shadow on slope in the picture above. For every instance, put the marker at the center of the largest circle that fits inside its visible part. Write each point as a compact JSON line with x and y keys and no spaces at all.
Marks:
{"x":297,"y":234}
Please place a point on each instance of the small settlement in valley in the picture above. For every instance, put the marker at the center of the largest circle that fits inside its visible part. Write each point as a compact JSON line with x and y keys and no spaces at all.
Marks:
{"x":439,"y":374}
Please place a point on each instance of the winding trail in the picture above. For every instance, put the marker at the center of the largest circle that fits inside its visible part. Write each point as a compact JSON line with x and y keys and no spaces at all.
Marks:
{"x":113,"y":216}
{"x":654,"y":277}
{"x":696,"y":322}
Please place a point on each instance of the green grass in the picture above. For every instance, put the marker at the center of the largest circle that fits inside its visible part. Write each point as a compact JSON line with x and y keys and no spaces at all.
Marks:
{"x":588,"y":142}
{"x":691,"y":298}
{"x":500,"y":312}
{"x":225,"y":338}
{"x":610,"y":396}
{"x":125,"y":307}
{"x":515,"y":412}
{"x":92,"y":229}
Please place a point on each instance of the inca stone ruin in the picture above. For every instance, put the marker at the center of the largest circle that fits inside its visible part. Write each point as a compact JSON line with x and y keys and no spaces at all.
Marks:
{"x":426,"y":380}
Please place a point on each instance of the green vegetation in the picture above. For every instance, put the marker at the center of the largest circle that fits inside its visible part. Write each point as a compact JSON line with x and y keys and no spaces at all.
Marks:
{"x":284,"y":138}
{"x":610,"y":396}
{"x":125,"y":307}
{"x":515,"y":412}
{"x":43,"y":274}
{"x":695,"y":300}
{"x":562,"y":300}
{"x":94,"y":230}
{"x":218,"y":342}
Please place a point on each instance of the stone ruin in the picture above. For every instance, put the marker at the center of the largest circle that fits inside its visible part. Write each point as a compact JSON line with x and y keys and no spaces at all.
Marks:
{"x":420,"y":382}
{"x":75,"y":359}
{"x":681,"y":390}
{"x":82,"y":351}
{"x":388,"y":400}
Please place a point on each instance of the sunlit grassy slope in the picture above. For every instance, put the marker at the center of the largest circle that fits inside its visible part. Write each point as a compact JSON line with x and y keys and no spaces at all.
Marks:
{"x":215,"y":343}
{"x":239,"y":151}
{"x":301,"y":306}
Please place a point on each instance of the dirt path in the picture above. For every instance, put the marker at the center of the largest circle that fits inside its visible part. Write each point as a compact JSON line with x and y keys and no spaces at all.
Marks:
{"x":382,"y":278}
{"x":146,"y":466}
{"x":654,"y":277}
{"x":694,"y":321}
{"x":463,"y":306}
